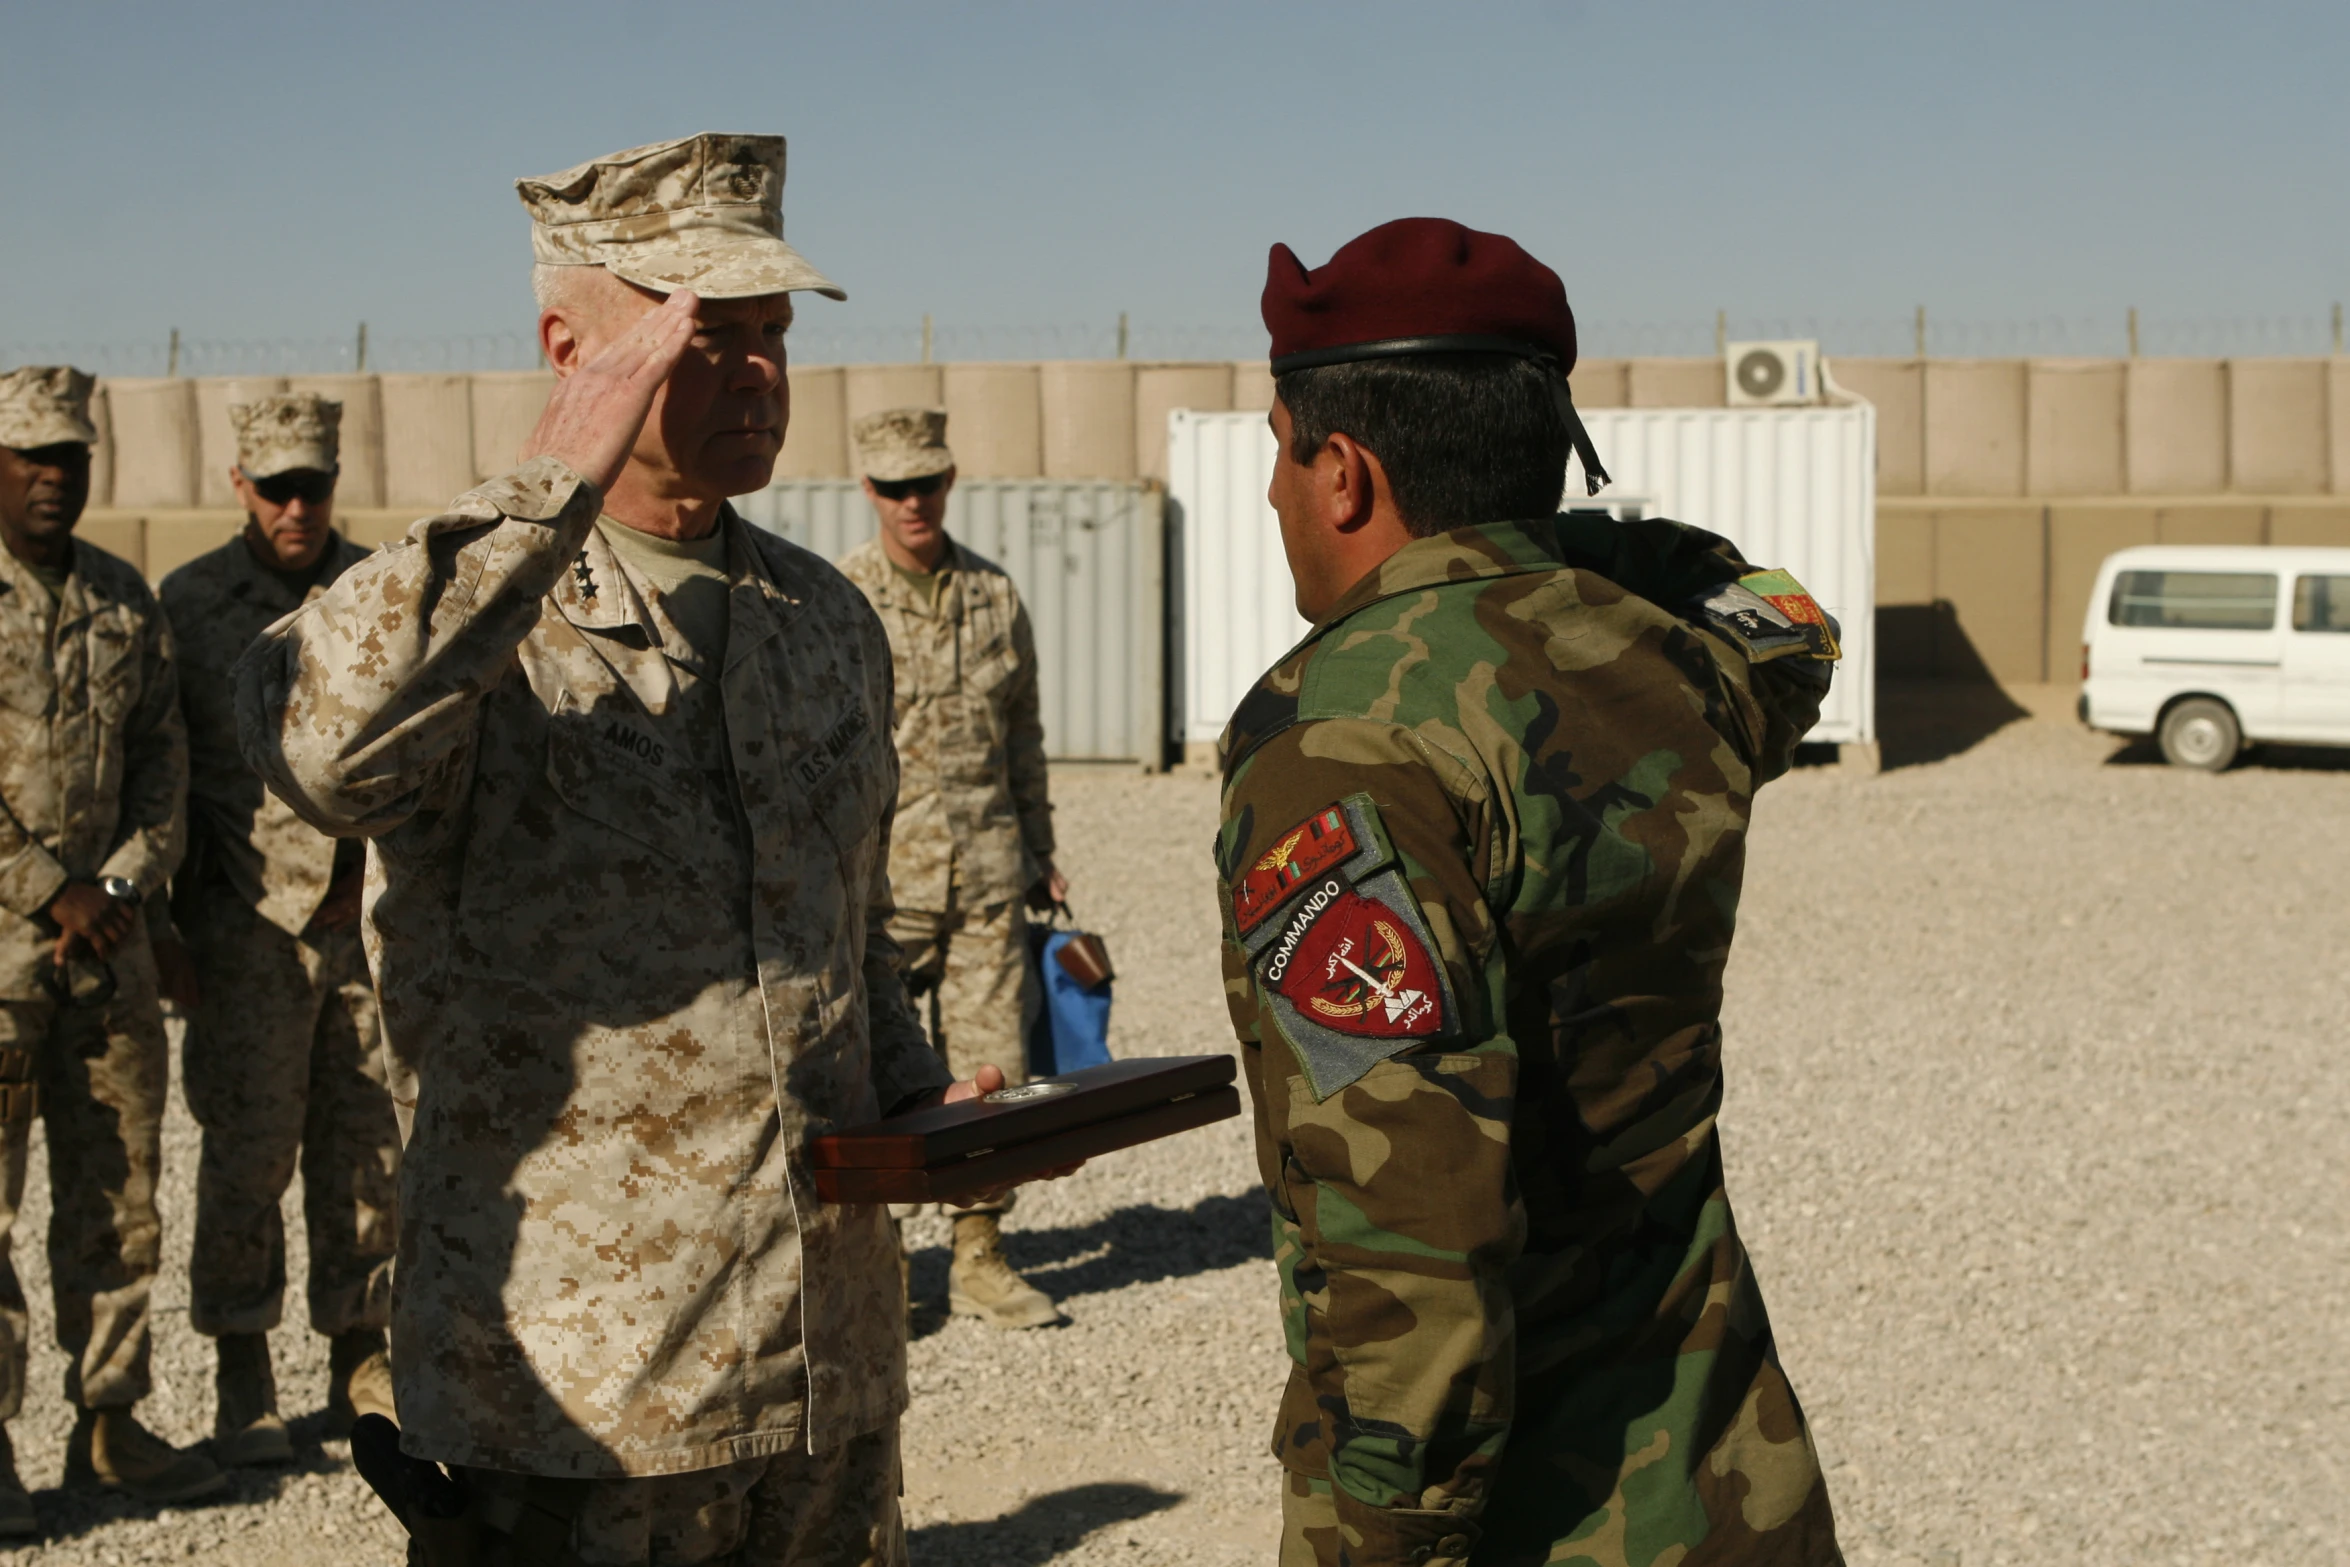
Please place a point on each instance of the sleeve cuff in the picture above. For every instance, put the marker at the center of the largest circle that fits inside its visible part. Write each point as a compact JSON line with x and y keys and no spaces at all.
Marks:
{"x":541,"y":490}
{"x":1404,"y":1536}
{"x":30,"y":880}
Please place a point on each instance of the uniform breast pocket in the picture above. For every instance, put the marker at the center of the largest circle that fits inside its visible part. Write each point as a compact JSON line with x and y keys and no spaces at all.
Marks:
{"x":114,"y":669}
{"x":619,"y":770}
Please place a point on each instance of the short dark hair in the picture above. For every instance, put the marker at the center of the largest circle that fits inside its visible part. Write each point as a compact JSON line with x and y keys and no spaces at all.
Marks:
{"x":1465,"y":438}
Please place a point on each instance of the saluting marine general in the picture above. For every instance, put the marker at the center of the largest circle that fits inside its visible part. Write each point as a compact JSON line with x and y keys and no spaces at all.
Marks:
{"x":283,"y":1063}
{"x":972,"y":847}
{"x":93,"y":789}
{"x":1483,"y":834}
{"x":624,"y":762}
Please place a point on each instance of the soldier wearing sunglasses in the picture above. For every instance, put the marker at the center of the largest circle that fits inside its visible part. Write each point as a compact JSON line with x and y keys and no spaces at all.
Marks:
{"x":283,"y":1065}
{"x":93,"y":782}
{"x":972,"y":847}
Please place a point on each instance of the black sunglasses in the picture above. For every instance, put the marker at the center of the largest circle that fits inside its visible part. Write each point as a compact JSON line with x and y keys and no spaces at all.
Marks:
{"x":899,"y":489}
{"x":307,"y":485}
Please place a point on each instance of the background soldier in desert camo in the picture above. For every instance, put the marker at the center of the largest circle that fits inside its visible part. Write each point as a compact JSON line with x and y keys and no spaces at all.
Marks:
{"x":93,"y":784}
{"x":283,"y":1062}
{"x":972,"y":847}
{"x":1482,"y":839}
{"x":624,"y":763}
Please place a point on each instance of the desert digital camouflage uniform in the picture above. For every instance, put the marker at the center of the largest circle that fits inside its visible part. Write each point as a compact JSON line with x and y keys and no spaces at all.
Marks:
{"x":974,"y":823}
{"x":93,"y":781}
{"x":283,"y":1063}
{"x":1482,"y":842}
{"x":629,"y":966}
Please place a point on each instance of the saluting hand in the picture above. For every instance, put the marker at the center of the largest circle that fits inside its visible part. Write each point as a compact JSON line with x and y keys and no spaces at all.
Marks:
{"x":597,"y":412}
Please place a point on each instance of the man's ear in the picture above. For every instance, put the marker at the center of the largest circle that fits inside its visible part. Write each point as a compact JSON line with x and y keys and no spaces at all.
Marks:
{"x":242,"y":485}
{"x":562,"y":346}
{"x":1350,"y":489}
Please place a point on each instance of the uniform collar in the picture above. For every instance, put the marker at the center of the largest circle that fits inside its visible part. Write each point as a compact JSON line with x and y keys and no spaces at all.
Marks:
{"x":1488,"y":549}
{"x":897,"y":593}
{"x":24,"y":589}
{"x":597,"y":594}
{"x":261,"y":585}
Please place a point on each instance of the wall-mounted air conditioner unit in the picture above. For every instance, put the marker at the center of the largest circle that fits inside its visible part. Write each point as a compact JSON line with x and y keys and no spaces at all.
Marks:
{"x":1772,"y":375}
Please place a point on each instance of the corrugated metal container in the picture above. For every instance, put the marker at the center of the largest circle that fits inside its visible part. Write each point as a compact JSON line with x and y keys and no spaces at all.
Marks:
{"x":1089,"y":558}
{"x":1793,"y":488}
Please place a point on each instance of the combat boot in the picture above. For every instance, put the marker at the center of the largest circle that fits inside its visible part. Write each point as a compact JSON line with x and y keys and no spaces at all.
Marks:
{"x":358,"y":1378}
{"x":983,"y":1285}
{"x":246,"y":1428}
{"x":16,"y":1503}
{"x":110,"y":1448}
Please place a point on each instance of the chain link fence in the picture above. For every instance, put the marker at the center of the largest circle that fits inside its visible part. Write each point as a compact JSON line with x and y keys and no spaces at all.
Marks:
{"x":816,"y":342}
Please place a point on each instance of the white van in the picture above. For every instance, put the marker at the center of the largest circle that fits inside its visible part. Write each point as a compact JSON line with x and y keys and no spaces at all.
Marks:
{"x":2212,"y":647}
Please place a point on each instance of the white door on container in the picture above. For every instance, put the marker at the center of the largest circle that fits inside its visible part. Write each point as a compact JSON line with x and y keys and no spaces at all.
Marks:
{"x":2317,"y":659}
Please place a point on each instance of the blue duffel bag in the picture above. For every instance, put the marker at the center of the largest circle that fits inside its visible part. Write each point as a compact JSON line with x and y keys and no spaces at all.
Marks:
{"x":1072,"y":1027}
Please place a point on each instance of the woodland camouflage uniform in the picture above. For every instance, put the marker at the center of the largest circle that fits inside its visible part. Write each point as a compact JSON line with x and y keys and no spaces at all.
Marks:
{"x":1482,"y":841}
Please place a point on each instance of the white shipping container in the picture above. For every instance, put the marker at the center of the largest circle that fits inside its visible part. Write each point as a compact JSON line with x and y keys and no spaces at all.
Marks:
{"x":1794,"y":488}
{"x":1089,"y":559}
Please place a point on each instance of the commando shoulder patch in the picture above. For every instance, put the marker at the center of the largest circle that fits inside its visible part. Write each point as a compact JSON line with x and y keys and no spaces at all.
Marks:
{"x":1349,"y":971}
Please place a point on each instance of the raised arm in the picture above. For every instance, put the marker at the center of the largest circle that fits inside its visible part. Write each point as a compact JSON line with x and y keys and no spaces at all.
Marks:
{"x":355,"y":708}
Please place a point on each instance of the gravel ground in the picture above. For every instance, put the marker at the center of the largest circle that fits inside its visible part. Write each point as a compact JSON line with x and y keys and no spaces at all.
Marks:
{"x":2034,"y":1123}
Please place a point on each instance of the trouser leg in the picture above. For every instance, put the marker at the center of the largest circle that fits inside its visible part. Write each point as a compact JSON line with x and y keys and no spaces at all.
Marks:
{"x":1309,"y":1523}
{"x":831,"y":1509}
{"x":24,"y":1042}
{"x":102,"y":1096}
{"x":986,"y":1000}
{"x":350,"y":1148}
{"x":246,"y":1070}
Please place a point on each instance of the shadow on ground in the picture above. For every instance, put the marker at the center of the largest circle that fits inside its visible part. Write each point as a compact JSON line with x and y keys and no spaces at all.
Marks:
{"x":1922,"y":721}
{"x":68,"y":1515}
{"x":2142,"y":751}
{"x":1137,"y":1245}
{"x":1043,"y":1528}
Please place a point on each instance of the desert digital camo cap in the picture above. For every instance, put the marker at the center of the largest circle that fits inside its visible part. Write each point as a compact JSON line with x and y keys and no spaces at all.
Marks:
{"x":902,"y":443}
{"x":704,"y":212}
{"x":280,"y":433}
{"x":41,"y":405}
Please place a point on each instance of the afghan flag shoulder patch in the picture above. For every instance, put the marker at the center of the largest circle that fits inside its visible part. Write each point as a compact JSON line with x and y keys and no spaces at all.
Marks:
{"x":1322,"y":841}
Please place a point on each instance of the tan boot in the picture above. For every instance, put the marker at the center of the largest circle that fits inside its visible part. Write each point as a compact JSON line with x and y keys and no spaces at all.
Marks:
{"x":982,"y":1284}
{"x":16,"y":1503}
{"x":110,"y":1448}
{"x":246,"y":1428}
{"x":358,"y":1378}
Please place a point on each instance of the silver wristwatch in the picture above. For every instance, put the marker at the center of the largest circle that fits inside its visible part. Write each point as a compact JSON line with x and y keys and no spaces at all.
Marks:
{"x":120,"y":888}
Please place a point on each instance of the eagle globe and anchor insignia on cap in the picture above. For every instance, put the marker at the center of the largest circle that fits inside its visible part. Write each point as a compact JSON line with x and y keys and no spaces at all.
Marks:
{"x":1348,"y":970}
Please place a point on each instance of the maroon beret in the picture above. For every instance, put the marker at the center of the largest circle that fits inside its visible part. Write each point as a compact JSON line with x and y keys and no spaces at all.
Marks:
{"x":1417,"y":286}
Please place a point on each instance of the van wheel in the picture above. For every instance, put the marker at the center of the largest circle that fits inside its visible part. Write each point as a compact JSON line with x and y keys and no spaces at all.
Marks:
{"x":2201,"y":733}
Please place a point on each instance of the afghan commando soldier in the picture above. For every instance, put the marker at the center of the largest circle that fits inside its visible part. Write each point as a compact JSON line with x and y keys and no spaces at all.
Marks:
{"x":624,"y":765}
{"x":973,"y":844}
{"x":283,"y":1064}
{"x":93,"y":793}
{"x":1483,"y":831}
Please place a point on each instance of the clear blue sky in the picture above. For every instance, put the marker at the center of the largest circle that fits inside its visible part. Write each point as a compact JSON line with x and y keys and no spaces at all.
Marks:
{"x":249,"y":171}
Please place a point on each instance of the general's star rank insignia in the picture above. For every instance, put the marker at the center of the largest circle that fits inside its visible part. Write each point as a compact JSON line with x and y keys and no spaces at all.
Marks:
{"x":1348,"y":972}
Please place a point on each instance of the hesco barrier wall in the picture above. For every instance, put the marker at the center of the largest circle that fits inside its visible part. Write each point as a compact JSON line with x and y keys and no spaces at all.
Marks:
{"x":1793,"y":488}
{"x":1089,"y":559}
